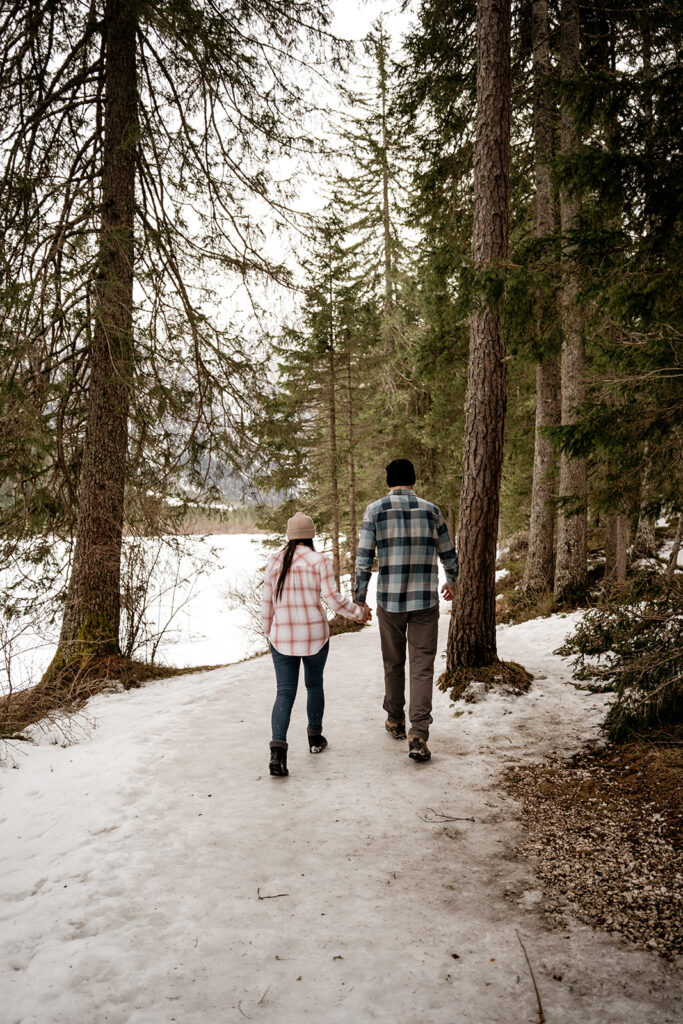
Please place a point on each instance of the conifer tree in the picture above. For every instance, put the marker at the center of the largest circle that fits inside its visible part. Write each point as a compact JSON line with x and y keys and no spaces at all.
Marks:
{"x":472,"y":637}
{"x":570,"y":567}
{"x":538,"y":571}
{"x":135,"y":136}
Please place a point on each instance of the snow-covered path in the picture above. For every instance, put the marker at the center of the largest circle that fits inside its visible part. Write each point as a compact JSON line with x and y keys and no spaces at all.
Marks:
{"x":133,"y":862}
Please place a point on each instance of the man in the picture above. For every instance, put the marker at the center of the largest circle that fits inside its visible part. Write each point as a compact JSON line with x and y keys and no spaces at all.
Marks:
{"x":408,"y":534}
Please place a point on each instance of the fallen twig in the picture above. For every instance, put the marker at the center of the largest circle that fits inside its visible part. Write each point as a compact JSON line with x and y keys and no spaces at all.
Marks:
{"x":275,"y":895}
{"x":438,"y":817}
{"x":541,"y":1015}
{"x":260,"y":1002}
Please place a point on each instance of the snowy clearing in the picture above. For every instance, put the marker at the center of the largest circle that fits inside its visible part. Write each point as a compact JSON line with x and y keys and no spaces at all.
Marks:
{"x":154,"y":872}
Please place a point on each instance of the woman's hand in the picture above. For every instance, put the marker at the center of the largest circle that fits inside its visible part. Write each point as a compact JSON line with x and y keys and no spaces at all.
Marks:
{"x":366,"y":610}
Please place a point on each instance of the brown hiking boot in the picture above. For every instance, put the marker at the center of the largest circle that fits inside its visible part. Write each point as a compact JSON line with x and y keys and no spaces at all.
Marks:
{"x":397,"y":729}
{"x":418,"y":749}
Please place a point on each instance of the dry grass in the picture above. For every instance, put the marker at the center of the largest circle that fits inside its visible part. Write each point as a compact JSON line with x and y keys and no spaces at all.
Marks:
{"x":205,"y":523}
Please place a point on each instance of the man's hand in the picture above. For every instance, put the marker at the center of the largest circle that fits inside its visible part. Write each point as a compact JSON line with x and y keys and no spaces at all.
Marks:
{"x":448,"y":591}
{"x":367,"y":611}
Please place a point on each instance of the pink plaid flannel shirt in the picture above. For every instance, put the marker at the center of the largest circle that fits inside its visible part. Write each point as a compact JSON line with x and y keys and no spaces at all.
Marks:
{"x":296,"y":624}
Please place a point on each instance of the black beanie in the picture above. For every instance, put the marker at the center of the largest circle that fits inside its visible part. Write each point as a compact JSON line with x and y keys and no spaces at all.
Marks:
{"x":400,"y":473}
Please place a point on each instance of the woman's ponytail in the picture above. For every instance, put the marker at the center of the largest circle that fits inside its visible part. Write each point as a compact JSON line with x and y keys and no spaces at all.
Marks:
{"x":287,"y":562}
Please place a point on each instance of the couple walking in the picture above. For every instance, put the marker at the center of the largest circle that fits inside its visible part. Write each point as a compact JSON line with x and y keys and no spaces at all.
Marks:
{"x":408,"y":534}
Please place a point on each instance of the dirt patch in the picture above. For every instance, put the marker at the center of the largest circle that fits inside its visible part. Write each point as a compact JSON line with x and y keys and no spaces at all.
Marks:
{"x":472,"y":684}
{"x":604,"y":831}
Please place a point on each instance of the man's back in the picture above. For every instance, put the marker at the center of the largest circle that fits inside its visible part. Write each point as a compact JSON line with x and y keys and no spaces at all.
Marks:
{"x":409,"y":534}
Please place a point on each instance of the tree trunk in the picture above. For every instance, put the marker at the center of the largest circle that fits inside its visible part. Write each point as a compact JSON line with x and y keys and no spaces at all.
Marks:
{"x":332,"y":411}
{"x":450,"y":521}
{"x":92,"y":611}
{"x":353,"y":522}
{"x":570,"y":568}
{"x":673,"y":558}
{"x":472,"y":637}
{"x":645,"y":543}
{"x":386,"y":216}
{"x":616,"y":548}
{"x":538,"y":572}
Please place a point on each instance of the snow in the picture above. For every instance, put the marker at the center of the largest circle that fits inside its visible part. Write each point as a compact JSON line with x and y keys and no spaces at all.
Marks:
{"x":202,"y":625}
{"x":154,"y":872}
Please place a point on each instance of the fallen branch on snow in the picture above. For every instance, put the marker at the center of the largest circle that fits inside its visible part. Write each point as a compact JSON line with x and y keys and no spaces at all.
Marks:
{"x":438,"y":817}
{"x":275,"y":896}
{"x":541,"y":1015}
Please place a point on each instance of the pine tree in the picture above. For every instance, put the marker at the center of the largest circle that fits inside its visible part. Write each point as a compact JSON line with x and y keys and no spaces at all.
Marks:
{"x":472,"y":637}
{"x":570,"y":567}
{"x":135,"y":136}
{"x":538,"y":572}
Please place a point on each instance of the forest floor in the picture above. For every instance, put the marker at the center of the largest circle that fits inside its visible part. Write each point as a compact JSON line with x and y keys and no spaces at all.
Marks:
{"x":153,"y":871}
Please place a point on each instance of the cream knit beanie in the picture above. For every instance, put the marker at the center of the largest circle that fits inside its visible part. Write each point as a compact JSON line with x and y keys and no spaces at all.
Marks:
{"x":300,"y":527}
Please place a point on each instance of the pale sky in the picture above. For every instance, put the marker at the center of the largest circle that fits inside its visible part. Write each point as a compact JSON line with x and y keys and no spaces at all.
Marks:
{"x":353,"y":18}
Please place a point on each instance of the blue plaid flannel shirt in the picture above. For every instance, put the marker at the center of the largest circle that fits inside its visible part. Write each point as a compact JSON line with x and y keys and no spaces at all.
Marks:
{"x":408,"y":534}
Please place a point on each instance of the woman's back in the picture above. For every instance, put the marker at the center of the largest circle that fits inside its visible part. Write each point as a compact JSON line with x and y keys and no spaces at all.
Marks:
{"x":295,"y":622}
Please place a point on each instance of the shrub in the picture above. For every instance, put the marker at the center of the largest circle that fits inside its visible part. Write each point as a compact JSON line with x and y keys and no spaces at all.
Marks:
{"x":633,"y":645}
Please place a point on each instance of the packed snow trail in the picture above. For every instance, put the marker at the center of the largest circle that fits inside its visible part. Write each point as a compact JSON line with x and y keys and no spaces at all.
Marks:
{"x":155,"y":872}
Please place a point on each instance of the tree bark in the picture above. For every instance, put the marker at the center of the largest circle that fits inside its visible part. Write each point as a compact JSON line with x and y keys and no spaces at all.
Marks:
{"x":386,"y":214}
{"x":616,"y":548}
{"x":645,"y":543}
{"x":92,"y":611}
{"x":332,"y":419}
{"x":570,"y":567}
{"x":450,"y":521}
{"x":673,"y":557}
{"x":353,"y":521}
{"x":472,"y":636}
{"x":538,"y":572}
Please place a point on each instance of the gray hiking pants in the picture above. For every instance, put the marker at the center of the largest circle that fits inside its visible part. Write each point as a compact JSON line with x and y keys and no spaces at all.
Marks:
{"x":420,"y":630}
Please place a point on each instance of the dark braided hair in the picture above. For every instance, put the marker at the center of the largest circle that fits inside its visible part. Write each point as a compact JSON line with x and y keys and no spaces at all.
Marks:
{"x":292,"y":545}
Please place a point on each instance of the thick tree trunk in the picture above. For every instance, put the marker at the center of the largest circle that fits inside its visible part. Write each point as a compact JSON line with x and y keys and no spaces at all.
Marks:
{"x":616,"y":549}
{"x":570,"y":567}
{"x":472,"y":637}
{"x":92,"y":611}
{"x":538,"y":573}
{"x":353,"y":521}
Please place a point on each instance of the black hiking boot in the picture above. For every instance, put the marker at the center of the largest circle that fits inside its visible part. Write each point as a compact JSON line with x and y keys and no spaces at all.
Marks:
{"x":278,"y":761}
{"x":418,"y":749}
{"x":397,"y":729}
{"x":316,"y":744}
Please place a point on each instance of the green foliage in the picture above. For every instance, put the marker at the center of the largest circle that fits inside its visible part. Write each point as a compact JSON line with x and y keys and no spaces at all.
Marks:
{"x":633,"y":644}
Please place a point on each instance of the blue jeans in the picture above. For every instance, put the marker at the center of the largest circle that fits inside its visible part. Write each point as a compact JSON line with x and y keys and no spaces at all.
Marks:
{"x":287,"y":679}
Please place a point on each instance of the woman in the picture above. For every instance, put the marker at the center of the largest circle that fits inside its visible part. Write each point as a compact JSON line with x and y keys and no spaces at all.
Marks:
{"x":296,"y":625}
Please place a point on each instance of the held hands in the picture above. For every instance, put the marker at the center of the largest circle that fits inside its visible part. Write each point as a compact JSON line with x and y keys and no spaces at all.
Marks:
{"x":448,"y":591}
{"x":367,"y":611}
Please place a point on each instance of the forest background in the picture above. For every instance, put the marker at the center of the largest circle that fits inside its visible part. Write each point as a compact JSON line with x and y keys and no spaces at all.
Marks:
{"x":147,"y":196}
